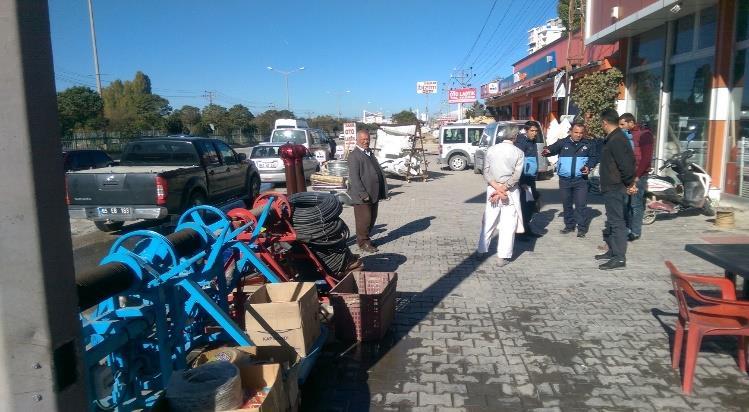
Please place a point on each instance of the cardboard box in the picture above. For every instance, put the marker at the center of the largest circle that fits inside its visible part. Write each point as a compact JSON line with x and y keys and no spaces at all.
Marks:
{"x":284,"y":314}
{"x":289,"y":360}
{"x":265,"y":376}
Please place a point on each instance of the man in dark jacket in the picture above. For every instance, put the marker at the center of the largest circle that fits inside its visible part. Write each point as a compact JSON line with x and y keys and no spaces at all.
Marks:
{"x":577,"y":156}
{"x":366,"y":188}
{"x":643,"y":142}
{"x":527,"y":143}
{"x":617,"y":183}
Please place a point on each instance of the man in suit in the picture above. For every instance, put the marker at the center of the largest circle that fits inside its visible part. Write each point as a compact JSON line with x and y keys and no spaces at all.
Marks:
{"x":366,"y":189}
{"x":617,"y":183}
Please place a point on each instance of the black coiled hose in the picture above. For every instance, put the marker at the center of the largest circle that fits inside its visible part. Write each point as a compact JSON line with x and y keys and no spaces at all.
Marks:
{"x":317,"y":217}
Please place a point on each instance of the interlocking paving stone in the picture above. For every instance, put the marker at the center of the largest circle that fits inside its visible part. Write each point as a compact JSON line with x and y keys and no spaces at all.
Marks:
{"x":549,"y":331}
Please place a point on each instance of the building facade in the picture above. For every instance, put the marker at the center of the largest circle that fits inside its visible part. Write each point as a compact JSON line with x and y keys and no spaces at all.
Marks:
{"x":540,"y":36}
{"x":687,"y":64}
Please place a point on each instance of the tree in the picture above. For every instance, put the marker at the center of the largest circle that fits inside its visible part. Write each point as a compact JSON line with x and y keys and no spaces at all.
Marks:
{"x":215,"y":117}
{"x":405,"y":117}
{"x":327,"y":123}
{"x":80,"y":108}
{"x":563,"y":11}
{"x":173,"y":123}
{"x":238,"y":117}
{"x":264,"y":122}
{"x":190,"y":118}
{"x":476,"y":110}
{"x":595,"y":93}
{"x":131,"y":107}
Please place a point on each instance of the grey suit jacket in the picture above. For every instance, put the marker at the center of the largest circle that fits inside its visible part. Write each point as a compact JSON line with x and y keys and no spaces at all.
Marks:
{"x":365,"y":178}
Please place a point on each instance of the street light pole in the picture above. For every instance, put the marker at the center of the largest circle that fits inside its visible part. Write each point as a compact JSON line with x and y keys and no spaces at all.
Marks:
{"x":93,"y":43}
{"x":338,"y":95}
{"x":286,"y":81}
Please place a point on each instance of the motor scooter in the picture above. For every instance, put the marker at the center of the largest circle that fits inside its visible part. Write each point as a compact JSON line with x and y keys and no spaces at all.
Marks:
{"x":689,"y":191}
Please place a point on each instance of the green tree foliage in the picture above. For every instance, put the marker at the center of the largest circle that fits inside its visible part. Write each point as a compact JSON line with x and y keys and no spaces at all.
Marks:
{"x":215,"y":118}
{"x":190,"y":118}
{"x":563,"y":11}
{"x":477,"y":109}
{"x":131,"y":107}
{"x":595,"y":93}
{"x":239,"y":117}
{"x":173,"y":123}
{"x":264,"y":122}
{"x":327,"y":123}
{"x":80,"y":108}
{"x":405,"y":117}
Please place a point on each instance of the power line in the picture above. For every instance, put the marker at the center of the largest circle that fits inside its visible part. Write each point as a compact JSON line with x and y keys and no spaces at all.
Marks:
{"x":479,"y":35}
{"x":496,"y":29}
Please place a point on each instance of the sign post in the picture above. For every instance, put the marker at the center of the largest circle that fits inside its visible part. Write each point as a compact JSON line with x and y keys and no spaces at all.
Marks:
{"x":460,"y":96}
{"x":349,"y":138}
{"x":427,"y":87}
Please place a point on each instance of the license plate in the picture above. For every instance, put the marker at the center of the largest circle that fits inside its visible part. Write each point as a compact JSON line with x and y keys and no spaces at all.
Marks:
{"x":266,"y":165}
{"x":108,"y":211}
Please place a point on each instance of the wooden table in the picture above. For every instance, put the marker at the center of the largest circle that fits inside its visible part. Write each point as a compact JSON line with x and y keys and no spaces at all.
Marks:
{"x":733,"y":258}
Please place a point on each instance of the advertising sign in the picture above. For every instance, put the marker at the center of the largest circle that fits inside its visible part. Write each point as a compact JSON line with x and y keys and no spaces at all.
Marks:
{"x":465,"y":95}
{"x":349,"y":136}
{"x":489,"y":89}
{"x":427,"y":87}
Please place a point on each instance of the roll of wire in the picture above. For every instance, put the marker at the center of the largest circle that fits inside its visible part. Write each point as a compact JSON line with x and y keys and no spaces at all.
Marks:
{"x":316,"y":218}
{"x":213,"y":386}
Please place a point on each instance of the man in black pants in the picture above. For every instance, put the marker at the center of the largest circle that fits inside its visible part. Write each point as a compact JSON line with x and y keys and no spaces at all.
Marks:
{"x":527,"y":143}
{"x":366,"y":188}
{"x":617,"y":183}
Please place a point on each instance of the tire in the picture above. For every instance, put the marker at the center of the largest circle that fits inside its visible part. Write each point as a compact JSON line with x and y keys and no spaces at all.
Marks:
{"x":476,"y":168}
{"x":457,"y":162}
{"x":709,"y":207}
{"x":253,"y":189}
{"x":108,"y":225}
{"x":648,"y":218}
{"x":197,"y":198}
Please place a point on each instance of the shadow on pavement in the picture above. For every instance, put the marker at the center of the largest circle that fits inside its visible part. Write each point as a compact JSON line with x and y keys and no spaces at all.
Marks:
{"x":409,"y":228}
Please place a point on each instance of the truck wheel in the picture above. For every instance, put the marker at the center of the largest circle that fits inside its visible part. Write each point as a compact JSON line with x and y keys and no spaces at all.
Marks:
{"x":108,"y":225}
{"x":197,"y":198}
{"x":457,"y":162}
{"x":254,"y":188}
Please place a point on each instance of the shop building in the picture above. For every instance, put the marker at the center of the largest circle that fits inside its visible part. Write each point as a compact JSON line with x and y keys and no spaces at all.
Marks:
{"x":686,"y":66}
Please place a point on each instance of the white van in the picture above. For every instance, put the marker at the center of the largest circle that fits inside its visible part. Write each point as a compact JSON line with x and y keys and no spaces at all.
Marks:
{"x":315,"y":140}
{"x":291,"y":124}
{"x":458,"y":143}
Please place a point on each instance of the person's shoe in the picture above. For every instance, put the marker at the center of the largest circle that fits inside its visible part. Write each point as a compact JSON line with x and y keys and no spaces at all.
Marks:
{"x":581,"y":233}
{"x":531,"y":233}
{"x":632,"y":237}
{"x":567,"y":230}
{"x":368,"y":248}
{"x":503,"y":262}
{"x":613,"y":263}
{"x":603,"y":256}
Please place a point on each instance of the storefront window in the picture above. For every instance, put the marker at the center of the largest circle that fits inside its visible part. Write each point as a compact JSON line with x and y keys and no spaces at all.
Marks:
{"x":684,"y":34}
{"x":690,"y":106}
{"x":648,"y":47}
{"x":742,"y":20}
{"x":737,"y":167}
{"x":645,"y":89}
{"x":708,"y":26}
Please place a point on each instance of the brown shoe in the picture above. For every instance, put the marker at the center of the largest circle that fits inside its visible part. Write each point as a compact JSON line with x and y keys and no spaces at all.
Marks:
{"x":368,"y":248}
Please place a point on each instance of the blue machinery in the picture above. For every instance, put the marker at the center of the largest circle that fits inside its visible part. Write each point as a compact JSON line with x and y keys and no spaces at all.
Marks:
{"x":157,"y":298}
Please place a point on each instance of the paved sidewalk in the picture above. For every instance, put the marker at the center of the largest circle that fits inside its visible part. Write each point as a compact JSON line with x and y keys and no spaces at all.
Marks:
{"x":548,"y":332}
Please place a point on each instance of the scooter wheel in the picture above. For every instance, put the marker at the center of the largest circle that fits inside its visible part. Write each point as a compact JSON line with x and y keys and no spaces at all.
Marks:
{"x":709,"y":208}
{"x":649,"y":218}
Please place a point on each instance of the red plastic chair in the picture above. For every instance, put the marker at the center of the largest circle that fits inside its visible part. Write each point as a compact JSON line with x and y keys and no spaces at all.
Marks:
{"x":725,"y":316}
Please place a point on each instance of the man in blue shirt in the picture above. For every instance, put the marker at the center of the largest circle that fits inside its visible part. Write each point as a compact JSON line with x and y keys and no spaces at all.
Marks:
{"x":577,"y":156}
{"x":527,"y":143}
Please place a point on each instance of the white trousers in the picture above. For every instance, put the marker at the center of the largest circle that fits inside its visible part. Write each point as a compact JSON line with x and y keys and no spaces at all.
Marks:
{"x":505,"y":217}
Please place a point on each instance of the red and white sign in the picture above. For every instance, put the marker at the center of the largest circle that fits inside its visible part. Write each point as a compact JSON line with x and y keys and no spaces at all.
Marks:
{"x":427,"y":87}
{"x":349,"y":136}
{"x":489,"y":89}
{"x":466,"y":95}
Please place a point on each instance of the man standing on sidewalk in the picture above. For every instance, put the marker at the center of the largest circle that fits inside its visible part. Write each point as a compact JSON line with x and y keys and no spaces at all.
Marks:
{"x":526,"y":142}
{"x":503,"y":167}
{"x":366,"y":189}
{"x":642,"y":140}
{"x":617,"y":182}
{"x":577,"y":156}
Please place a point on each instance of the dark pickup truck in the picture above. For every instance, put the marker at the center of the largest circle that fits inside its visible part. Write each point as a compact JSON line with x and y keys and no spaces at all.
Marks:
{"x":157,"y":177}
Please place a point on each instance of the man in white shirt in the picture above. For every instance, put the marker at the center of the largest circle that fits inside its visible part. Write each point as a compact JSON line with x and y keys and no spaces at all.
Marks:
{"x":503,"y":167}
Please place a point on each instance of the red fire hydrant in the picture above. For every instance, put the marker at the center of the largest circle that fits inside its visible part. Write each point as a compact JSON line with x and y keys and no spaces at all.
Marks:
{"x":299,"y":153}
{"x":288,"y":155}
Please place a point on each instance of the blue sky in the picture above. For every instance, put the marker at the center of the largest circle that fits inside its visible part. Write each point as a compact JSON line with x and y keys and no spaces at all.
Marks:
{"x":376,"y":49}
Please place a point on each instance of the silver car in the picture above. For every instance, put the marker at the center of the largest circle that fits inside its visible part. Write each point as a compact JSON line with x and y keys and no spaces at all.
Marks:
{"x":270,"y":165}
{"x":489,"y":138}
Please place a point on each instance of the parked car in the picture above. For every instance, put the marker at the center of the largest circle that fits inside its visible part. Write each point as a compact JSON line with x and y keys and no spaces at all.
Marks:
{"x":313,"y":139}
{"x":268,"y":161}
{"x":158,"y":177}
{"x":85,"y":159}
{"x":456,"y":148}
{"x":489,"y":138}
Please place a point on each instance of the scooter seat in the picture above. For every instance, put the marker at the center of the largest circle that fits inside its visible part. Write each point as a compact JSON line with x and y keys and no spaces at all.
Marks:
{"x":659,"y":205}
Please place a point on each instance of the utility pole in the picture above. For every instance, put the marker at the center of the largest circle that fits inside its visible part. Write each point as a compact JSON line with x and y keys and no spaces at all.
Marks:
{"x":209,"y":95}
{"x":463,"y":78}
{"x":93,"y":45}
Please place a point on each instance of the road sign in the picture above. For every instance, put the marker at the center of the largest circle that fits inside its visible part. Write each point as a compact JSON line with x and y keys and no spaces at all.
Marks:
{"x":349,"y":136}
{"x":427,"y":87}
{"x":465,"y":95}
